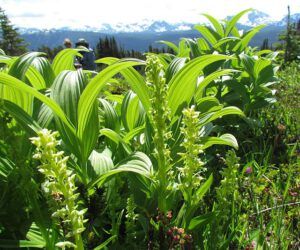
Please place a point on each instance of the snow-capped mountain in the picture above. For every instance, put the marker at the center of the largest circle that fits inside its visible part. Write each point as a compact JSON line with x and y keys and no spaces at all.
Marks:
{"x":251,"y":19}
{"x":143,"y":26}
{"x":293,"y":18}
{"x":255,"y":18}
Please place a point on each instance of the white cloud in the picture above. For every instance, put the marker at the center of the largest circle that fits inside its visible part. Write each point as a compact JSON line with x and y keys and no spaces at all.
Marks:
{"x":74,"y":13}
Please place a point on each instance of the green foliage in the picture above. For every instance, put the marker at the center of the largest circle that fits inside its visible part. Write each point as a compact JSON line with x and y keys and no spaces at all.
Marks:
{"x":147,"y":165}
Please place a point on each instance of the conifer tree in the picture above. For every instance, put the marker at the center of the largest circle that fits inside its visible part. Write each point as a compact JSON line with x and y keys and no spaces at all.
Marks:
{"x":10,"y":41}
{"x":292,"y":40}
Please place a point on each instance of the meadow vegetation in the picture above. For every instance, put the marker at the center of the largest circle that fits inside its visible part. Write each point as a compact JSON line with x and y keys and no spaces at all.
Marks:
{"x":196,"y":149}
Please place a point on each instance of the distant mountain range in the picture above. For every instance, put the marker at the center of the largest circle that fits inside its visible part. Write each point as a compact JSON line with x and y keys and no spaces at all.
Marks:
{"x":139,"y":36}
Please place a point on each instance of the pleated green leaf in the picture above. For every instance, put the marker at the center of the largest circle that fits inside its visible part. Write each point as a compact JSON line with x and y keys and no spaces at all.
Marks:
{"x":35,"y":78}
{"x":243,"y":43}
{"x":226,"y":139}
{"x":132,"y":133}
{"x":182,"y":86}
{"x":208,"y":79}
{"x":205,"y":104}
{"x":217,"y":26}
{"x":134,"y":79}
{"x":232,"y":22}
{"x":110,"y":116}
{"x":45,"y":116}
{"x":23,"y":118}
{"x":64,"y":60}
{"x":10,"y":81}
{"x":100,"y":162}
{"x":21,"y":64}
{"x":203,"y":45}
{"x":132,"y":112}
{"x":44,"y":67}
{"x":18,"y":69}
{"x":137,"y":163}
{"x":91,"y":92}
{"x":171,"y":45}
{"x":207,"y":33}
{"x":174,"y":67}
{"x":66,"y":91}
{"x":206,"y":118}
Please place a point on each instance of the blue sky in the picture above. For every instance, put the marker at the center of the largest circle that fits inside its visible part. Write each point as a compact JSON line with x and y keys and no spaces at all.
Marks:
{"x":76,"y":14}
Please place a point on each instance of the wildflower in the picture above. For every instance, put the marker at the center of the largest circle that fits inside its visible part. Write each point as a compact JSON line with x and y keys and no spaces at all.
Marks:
{"x":248,"y":170}
{"x":60,"y":187}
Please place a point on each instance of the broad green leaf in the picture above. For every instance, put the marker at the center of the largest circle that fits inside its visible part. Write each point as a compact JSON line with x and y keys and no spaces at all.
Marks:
{"x":174,"y":67}
{"x":263,"y":71}
{"x":23,"y":118}
{"x":194,"y":47}
{"x":248,"y":63}
{"x":184,"y":50}
{"x":206,"y":33}
{"x":43,"y":66}
{"x":218,"y":27}
{"x":116,"y":138}
{"x":18,"y":69}
{"x":101,"y":163}
{"x":64,"y":60}
{"x":17,"y":84}
{"x":202,"y":44}
{"x":110,"y":116}
{"x":137,"y":163}
{"x":206,"y":118}
{"x":224,"y":41}
{"x":21,"y":64}
{"x":134,"y":79}
{"x":132,"y":112}
{"x":91,"y":92}
{"x":183,"y":85}
{"x":34,"y":236}
{"x":45,"y":116}
{"x":205,"y":104}
{"x":171,"y":45}
{"x":66,"y":91}
{"x":6,"y":244}
{"x":231,"y":23}
{"x":241,"y":45}
{"x":132,"y":133}
{"x":35,"y":78}
{"x":226,"y":139}
{"x":208,"y":79}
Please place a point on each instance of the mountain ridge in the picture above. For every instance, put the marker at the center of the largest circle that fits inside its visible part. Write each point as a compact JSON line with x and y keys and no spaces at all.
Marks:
{"x":251,"y":19}
{"x":139,"y":36}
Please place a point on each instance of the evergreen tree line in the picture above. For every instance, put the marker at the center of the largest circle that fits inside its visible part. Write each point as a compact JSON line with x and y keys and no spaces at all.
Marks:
{"x":11,"y":42}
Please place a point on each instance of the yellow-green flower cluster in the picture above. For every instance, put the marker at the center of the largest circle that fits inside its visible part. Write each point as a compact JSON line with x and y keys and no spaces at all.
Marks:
{"x":60,"y":185}
{"x":160,"y":111}
{"x":192,"y":163}
{"x":159,"y":115}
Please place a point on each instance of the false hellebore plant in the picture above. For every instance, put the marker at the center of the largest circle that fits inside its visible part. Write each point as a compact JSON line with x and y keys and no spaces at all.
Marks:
{"x":60,"y":188}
